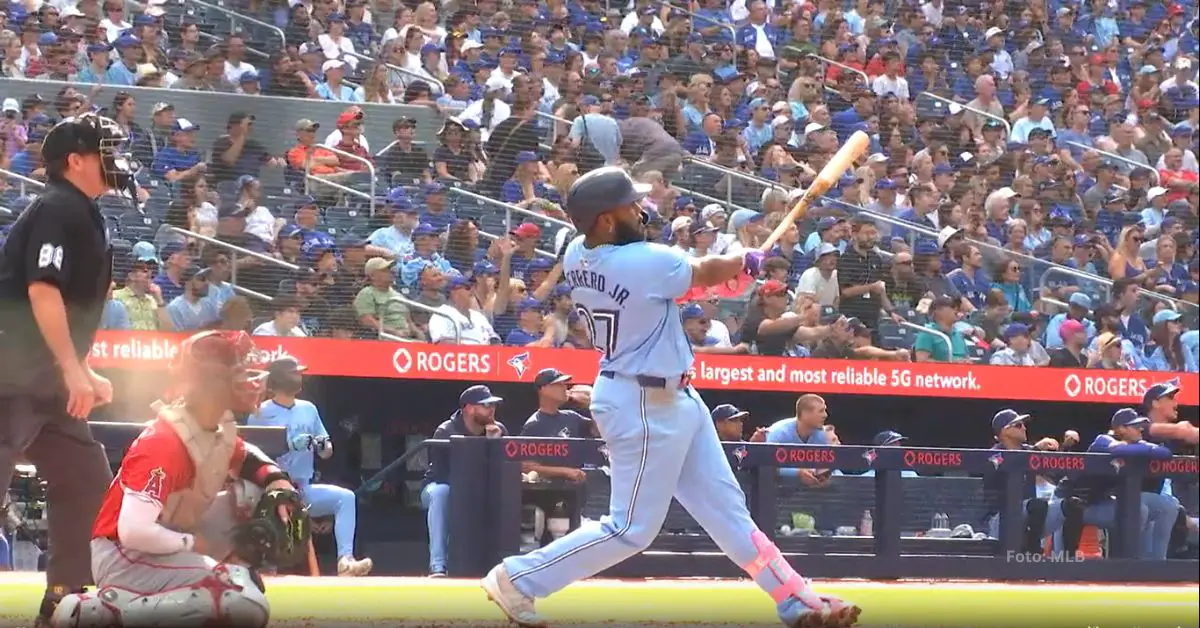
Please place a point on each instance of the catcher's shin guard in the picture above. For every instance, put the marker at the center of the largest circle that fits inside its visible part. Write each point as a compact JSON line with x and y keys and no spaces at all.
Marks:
{"x":228,"y":598}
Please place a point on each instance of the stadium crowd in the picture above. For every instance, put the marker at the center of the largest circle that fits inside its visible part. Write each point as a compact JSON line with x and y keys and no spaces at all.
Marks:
{"x":1030,"y":198}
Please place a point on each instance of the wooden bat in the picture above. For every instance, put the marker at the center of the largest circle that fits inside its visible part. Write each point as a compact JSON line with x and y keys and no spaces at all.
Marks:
{"x":842,"y":161}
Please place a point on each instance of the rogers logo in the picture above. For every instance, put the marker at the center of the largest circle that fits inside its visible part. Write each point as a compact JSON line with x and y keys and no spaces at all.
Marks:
{"x":402,"y":360}
{"x":1072,"y":385}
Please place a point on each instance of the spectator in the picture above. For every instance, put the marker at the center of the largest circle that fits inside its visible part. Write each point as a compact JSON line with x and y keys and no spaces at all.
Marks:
{"x":403,"y":157}
{"x":1070,"y":350}
{"x":931,"y":347}
{"x":452,"y":160}
{"x":830,"y":230}
{"x":969,"y":280}
{"x":820,"y":283}
{"x":217,"y":263}
{"x":1019,"y":350}
{"x":1126,"y":262}
{"x":1035,"y":120}
{"x":395,"y":242}
{"x":861,"y":271}
{"x":769,"y":326}
{"x":260,"y":222}
{"x":902,"y":286}
{"x":525,"y":187}
{"x":190,"y":310}
{"x":180,"y":160}
{"x":236,"y":153}
{"x":286,"y":319}
{"x":425,"y":253}
{"x":1009,"y":281}
{"x":476,"y":416}
{"x":699,"y":330}
{"x":1125,"y":300}
{"x":1165,"y":349}
{"x":379,"y":305}
{"x":170,"y":280}
{"x":747,"y":228}
{"x":459,"y":322}
{"x":437,"y":211}
{"x":928,"y":265}
{"x":114,"y":316}
{"x":332,"y":88}
{"x":307,"y":155}
{"x":141,"y":297}
{"x":534,"y":328}
{"x":1079,"y":306}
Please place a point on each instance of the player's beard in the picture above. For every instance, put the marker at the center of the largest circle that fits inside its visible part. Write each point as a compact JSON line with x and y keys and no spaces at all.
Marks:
{"x":628,"y":234}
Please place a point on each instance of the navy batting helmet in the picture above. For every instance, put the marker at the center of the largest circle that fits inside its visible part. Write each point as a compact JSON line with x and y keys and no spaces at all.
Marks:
{"x":600,"y":191}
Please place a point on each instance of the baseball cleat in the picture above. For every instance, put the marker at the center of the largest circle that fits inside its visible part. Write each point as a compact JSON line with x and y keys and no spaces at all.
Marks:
{"x":348,"y":567}
{"x":516,"y":605}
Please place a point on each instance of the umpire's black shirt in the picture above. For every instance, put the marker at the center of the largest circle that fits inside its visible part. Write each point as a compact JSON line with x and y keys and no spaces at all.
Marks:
{"x":60,"y":239}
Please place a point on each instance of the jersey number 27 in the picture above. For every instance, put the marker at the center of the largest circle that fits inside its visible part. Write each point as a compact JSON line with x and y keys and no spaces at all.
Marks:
{"x":601,"y":326}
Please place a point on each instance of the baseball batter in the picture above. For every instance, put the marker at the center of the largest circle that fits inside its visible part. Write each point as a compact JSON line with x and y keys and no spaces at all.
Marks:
{"x":160,"y":539}
{"x":659,"y":433}
{"x":307,"y":438}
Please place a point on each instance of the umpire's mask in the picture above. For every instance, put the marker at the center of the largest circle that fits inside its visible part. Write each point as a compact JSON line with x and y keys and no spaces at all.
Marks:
{"x":93,"y":134}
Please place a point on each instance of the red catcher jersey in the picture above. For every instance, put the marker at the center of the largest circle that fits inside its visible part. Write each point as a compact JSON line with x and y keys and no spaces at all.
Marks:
{"x":156,"y":465}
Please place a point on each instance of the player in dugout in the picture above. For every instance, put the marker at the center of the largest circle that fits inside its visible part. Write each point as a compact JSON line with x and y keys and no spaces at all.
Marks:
{"x":555,"y":390}
{"x":166,"y":546}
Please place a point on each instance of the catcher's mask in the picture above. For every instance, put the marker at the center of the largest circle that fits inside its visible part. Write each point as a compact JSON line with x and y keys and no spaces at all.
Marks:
{"x":214,"y":360}
{"x":93,"y":134}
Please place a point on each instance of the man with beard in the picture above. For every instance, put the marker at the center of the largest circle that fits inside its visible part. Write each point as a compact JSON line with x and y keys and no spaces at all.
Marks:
{"x":307,"y":436}
{"x":861,"y":272}
{"x":191,"y":311}
{"x":476,"y":416}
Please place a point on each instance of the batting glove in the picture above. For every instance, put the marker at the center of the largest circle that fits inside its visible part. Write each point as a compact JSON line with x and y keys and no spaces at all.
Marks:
{"x":302,"y":442}
{"x":752,"y":262}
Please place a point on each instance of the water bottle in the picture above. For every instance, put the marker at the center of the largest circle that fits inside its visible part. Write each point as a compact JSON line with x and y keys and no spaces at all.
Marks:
{"x":936,"y":522}
{"x":944,"y":519}
{"x":867,"y":526}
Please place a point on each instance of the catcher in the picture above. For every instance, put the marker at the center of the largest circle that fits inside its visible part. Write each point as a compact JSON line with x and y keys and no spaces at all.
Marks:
{"x":166,"y":548}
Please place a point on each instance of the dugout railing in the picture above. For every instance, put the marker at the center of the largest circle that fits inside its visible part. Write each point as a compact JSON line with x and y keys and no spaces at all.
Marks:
{"x":486,"y":501}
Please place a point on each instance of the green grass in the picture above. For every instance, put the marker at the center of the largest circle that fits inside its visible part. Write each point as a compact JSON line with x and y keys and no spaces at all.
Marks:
{"x":917,"y":604}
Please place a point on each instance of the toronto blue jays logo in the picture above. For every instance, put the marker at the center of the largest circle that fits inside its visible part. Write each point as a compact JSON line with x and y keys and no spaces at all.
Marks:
{"x":603,"y":449}
{"x":996,"y":460}
{"x":564,"y":432}
{"x":1117,"y":464}
{"x":520,"y":363}
{"x":739,"y":456}
{"x":870,"y":456}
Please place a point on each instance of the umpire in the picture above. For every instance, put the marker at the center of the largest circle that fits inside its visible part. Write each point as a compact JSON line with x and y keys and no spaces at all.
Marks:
{"x":55,"y":270}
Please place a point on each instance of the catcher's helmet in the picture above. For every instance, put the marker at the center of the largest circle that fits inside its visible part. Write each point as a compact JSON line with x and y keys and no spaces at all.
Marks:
{"x":220,"y":358}
{"x":92,"y":134}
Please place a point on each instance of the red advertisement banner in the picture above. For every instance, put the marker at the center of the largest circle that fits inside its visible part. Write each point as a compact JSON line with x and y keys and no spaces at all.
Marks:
{"x":359,"y":358}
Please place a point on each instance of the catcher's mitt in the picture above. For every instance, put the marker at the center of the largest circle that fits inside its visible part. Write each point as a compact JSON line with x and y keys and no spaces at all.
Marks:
{"x":267,"y":539}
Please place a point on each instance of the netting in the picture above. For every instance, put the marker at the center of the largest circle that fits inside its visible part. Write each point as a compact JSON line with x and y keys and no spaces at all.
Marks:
{"x":1032,"y":175}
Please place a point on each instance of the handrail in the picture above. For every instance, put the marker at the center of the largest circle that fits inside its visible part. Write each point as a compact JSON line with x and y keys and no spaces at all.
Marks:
{"x":235,"y":249}
{"x":979,"y":112}
{"x":335,"y":185}
{"x":509,"y":208}
{"x":492,"y":236}
{"x":22,"y":178}
{"x":248,"y":292}
{"x":341,"y":153}
{"x":936,"y":332}
{"x":246,"y":18}
{"x":695,"y":16}
{"x":424,"y":308}
{"x":1118,"y":158}
{"x":428,"y":79}
{"x":254,"y":51}
{"x":737,"y":174}
{"x":554,"y":122}
{"x":730,"y":205}
{"x":866,"y":79}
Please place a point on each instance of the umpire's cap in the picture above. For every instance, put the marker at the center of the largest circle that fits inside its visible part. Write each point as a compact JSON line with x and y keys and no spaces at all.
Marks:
{"x":599,"y":191}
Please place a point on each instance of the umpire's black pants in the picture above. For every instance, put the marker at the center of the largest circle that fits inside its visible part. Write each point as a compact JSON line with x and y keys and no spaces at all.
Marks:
{"x":76,"y":472}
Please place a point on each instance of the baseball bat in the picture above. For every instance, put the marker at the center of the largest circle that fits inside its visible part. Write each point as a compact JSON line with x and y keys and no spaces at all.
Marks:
{"x":842,"y":161}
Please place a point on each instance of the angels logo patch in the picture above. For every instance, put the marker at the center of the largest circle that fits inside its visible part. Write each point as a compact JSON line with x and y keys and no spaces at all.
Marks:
{"x":155,"y":484}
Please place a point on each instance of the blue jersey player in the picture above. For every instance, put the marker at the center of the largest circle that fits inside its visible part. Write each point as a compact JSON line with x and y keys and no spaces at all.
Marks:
{"x":307,"y":439}
{"x":659,"y":433}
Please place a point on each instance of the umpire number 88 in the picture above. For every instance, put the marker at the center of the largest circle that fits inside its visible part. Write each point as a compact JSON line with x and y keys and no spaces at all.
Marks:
{"x":602,"y":327}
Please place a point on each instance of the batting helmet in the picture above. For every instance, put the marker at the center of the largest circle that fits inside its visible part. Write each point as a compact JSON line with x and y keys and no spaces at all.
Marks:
{"x":215,"y":360}
{"x":92,"y":134}
{"x":600,"y":191}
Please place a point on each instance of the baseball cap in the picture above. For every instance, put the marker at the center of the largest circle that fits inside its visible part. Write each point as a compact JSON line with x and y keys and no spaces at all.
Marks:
{"x":528,"y":303}
{"x":332,"y":64}
{"x":925,"y":247}
{"x":478,"y":395}
{"x":743,"y":217}
{"x":183,"y":125}
{"x":728,"y":412}
{"x":161,"y":107}
{"x":691,"y":311}
{"x":376,"y":264}
{"x":1016,"y":329}
{"x":885,"y":184}
{"x":1007,"y":418}
{"x":943,"y":168}
{"x":1163,"y":316}
{"x":194,"y":272}
{"x":144,"y":252}
{"x":1126,"y":417}
{"x":232,"y":210}
{"x":1070,"y":327}
{"x":813,"y":127}
{"x":702,"y":227}
{"x":1106,"y":340}
{"x":527,"y":156}
{"x":1160,"y":390}
{"x":11,"y":104}
{"x":683,"y":201}
{"x":527,"y":230}
{"x":351,"y":241}
{"x":484,"y":267}
{"x":1080,"y":299}
{"x":826,"y":249}
{"x":304,"y":124}
{"x":433,"y":187}
{"x":945,"y":234}
{"x":888,"y":437}
{"x":457,"y":281}
{"x":425,"y":229}
{"x":285,"y":366}
{"x":546,"y":377}
{"x":712,"y":209}
{"x":772,"y":287}
{"x":170,"y":249}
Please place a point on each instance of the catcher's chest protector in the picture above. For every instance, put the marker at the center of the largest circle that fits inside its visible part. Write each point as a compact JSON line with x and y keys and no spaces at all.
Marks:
{"x":212,"y":457}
